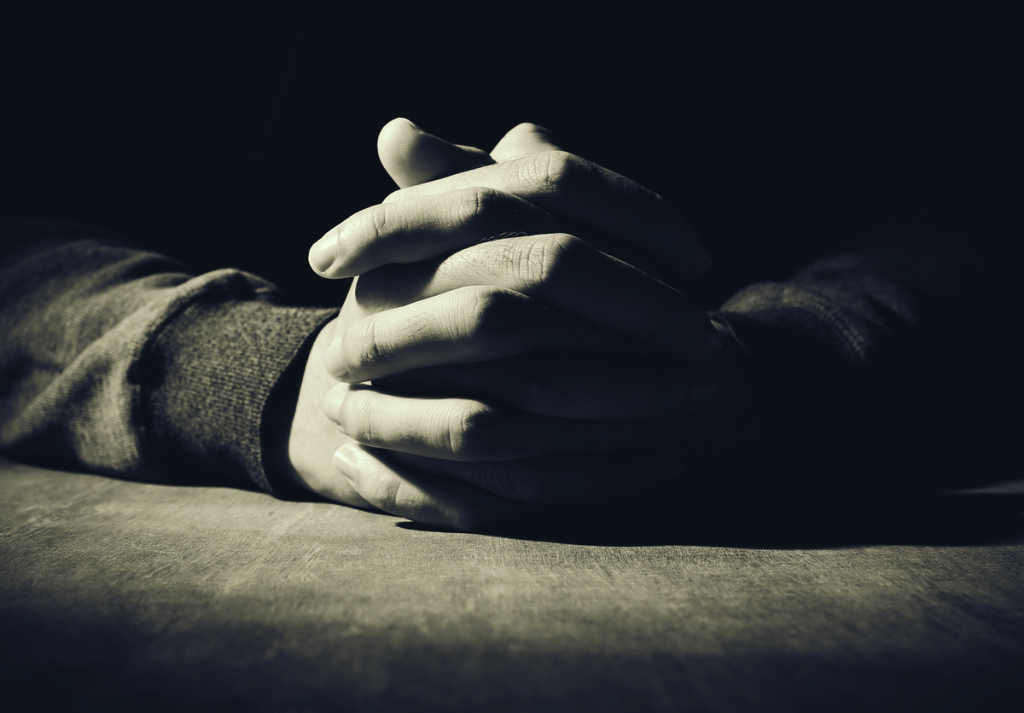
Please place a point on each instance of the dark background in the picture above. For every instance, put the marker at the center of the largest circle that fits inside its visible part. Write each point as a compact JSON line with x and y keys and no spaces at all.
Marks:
{"x":235,"y":133}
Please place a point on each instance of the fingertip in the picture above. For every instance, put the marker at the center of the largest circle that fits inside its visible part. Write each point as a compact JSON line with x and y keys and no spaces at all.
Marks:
{"x":334,"y":361}
{"x":333,"y":400}
{"x":346,"y":462}
{"x":395,"y":145}
{"x":525,"y":139}
{"x":398,"y":131}
{"x":400,"y":125}
{"x":412,"y":156}
{"x":323,"y":255}
{"x":437,"y":502}
{"x":402,"y":121}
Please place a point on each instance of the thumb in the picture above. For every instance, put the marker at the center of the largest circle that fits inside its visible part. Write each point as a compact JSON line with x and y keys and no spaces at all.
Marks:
{"x":523,"y":140}
{"x":412,"y":156}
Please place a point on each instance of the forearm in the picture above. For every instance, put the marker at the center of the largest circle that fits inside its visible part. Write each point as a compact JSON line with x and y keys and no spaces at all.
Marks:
{"x":119,"y":361}
{"x":865,"y":355}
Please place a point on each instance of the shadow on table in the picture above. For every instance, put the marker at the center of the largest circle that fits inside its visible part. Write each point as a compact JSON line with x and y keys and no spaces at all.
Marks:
{"x":790,"y":521}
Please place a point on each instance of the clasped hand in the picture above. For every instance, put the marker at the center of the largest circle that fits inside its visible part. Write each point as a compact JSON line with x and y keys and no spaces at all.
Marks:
{"x":505,"y":341}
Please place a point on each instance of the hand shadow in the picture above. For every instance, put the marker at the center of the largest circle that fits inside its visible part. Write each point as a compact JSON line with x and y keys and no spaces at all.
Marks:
{"x":790,"y":518}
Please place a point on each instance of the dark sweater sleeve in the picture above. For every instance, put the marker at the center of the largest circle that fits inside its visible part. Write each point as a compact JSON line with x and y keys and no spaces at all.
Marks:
{"x":117,"y":360}
{"x":887,"y":358}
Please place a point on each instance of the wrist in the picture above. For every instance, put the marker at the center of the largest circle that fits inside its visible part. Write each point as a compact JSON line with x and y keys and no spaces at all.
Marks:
{"x":311,"y":438}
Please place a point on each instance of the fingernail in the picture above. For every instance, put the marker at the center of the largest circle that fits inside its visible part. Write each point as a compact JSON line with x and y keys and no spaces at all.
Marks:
{"x":324,"y":252}
{"x":345,"y":461}
{"x":332,"y":402}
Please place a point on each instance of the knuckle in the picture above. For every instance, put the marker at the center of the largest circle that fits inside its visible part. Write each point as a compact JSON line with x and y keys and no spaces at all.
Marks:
{"x":385,"y":494}
{"x":363,"y":346}
{"x":545,"y":261}
{"x":358,"y":418}
{"x":473,"y":433}
{"x":465,"y":208}
{"x":377,"y":220}
{"x":561,"y":168}
{"x":483,"y":310}
{"x":474,"y":205}
{"x":550,"y":171}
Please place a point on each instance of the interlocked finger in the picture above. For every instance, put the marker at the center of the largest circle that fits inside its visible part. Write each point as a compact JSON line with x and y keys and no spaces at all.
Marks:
{"x":465,"y":325}
{"x":437,"y":502}
{"x":433,"y":226}
{"x":469,"y":430}
{"x":578,"y":190}
{"x":479,"y":496}
{"x":566,"y":384}
{"x":561,"y":271}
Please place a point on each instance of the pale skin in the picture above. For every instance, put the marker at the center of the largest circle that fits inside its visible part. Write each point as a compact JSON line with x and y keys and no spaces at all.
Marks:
{"x":515,"y":337}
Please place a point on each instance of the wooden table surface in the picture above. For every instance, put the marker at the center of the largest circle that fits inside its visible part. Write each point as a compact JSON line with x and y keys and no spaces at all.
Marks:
{"x":125,"y":596}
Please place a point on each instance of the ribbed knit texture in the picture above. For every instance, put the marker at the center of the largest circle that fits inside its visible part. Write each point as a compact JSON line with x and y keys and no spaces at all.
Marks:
{"x":117,"y":360}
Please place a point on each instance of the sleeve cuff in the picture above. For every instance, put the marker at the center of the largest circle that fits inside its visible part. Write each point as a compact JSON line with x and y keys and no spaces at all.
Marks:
{"x":209,"y":374}
{"x":817,"y":376}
